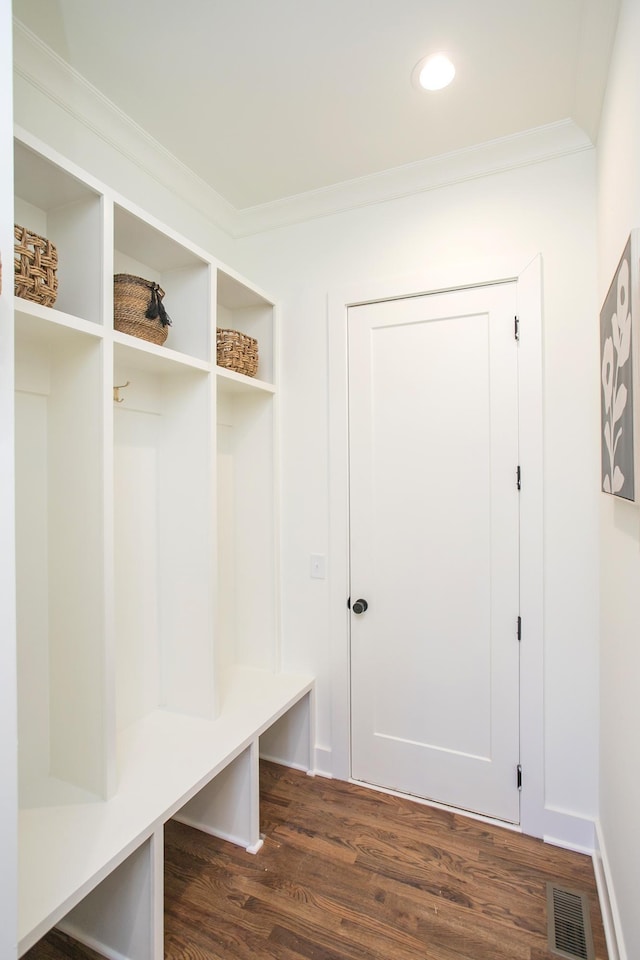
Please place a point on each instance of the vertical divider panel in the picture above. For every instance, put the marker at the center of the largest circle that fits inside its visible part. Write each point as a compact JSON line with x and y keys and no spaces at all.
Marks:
{"x":157,"y":894}
{"x":109,"y":657}
{"x":8,"y":706}
{"x":212,"y":500}
{"x":228,"y":806}
{"x":254,"y":800}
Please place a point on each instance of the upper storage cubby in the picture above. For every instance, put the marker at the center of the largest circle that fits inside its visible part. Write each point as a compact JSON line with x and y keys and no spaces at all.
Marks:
{"x":51,"y":202}
{"x":239,"y":307}
{"x":148,"y":251}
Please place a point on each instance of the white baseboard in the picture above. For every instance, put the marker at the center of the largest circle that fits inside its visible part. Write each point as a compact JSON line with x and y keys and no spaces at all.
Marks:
{"x":283,"y":761}
{"x":321,"y":762}
{"x":323,"y":766}
{"x":562,"y":828}
{"x":82,"y":937}
{"x":607,"y":896}
{"x":234,"y":838}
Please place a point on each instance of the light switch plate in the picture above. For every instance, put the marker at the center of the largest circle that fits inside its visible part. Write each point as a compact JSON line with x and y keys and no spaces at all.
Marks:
{"x":318,"y":566}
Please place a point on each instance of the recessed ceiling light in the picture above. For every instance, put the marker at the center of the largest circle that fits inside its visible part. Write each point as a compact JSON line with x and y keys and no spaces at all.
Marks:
{"x":434,"y":72}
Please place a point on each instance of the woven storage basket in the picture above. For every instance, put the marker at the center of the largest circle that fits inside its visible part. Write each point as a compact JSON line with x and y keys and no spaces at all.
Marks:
{"x":138,"y":309}
{"x":35,"y":262}
{"x":236,"y":351}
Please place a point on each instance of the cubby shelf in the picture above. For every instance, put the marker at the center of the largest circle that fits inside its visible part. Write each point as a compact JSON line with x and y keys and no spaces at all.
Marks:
{"x":237,"y":383}
{"x":150,"y":356}
{"x":147,"y":577}
{"x":25,"y":309}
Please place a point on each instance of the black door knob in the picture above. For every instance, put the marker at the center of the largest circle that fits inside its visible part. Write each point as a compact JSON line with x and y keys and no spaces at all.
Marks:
{"x":359,"y":606}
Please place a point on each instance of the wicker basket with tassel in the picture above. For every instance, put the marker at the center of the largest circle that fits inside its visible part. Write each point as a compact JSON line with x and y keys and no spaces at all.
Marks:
{"x":138,"y":308}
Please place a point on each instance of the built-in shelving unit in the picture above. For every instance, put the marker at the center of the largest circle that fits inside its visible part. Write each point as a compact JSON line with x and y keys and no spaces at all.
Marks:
{"x":147,"y":596}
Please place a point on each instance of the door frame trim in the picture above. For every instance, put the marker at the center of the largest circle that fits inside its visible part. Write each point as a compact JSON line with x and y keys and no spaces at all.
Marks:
{"x":529,"y":299}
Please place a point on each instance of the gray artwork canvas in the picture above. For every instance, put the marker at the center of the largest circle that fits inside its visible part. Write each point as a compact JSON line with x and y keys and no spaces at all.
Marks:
{"x":616,"y":398}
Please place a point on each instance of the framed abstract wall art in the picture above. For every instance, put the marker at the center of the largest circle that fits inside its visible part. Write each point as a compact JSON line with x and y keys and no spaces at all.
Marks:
{"x":619,"y":343}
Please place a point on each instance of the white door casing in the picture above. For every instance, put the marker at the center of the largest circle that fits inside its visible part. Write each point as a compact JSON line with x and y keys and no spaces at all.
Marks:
{"x":433,"y":398}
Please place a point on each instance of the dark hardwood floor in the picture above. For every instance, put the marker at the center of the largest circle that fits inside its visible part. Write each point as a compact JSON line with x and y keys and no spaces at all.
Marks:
{"x":347,"y":873}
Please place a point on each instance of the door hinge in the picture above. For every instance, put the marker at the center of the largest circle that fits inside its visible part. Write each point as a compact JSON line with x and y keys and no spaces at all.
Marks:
{"x":519,"y":629}
{"x":518,"y":478}
{"x":519,"y":776}
{"x":516,"y":327}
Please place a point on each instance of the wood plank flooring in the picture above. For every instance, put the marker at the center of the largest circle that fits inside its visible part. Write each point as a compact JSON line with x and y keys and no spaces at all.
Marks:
{"x":347,"y":873}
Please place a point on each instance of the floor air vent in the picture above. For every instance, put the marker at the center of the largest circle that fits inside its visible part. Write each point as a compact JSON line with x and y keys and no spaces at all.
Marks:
{"x":569,"y":927}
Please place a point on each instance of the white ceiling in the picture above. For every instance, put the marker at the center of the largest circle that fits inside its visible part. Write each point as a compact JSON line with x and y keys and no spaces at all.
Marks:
{"x":268,"y":99}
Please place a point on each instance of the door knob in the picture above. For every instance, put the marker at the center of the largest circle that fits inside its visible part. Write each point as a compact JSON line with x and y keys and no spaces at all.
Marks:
{"x":359,"y":606}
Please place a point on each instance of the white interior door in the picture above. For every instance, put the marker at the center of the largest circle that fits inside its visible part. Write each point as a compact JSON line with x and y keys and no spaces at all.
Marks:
{"x":433,"y":425}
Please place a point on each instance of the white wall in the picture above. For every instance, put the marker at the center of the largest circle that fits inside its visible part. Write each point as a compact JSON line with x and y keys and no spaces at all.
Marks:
{"x":482,"y":227}
{"x":8,"y":760}
{"x":618,"y":213}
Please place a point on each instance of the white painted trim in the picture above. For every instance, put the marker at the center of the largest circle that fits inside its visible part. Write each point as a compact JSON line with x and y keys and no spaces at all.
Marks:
{"x":564,"y":828}
{"x":8,"y":674}
{"x":338,"y":535}
{"x":322,"y":762}
{"x":157,"y":895}
{"x":283,"y":762}
{"x":211,"y":831}
{"x":54,"y":78}
{"x":94,"y":944}
{"x":530,"y":372}
{"x":448,"y":277}
{"x":40,"y":67}
{"x":607,"y":895}
{"x":485,"y":159}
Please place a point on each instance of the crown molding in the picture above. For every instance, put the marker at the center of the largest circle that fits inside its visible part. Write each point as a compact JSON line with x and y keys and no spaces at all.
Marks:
{"x":495,"y":156}
{"x":56,"y":80}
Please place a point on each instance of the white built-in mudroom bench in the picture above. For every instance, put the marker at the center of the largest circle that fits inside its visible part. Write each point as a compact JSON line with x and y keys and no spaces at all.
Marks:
{"x":149,"y":663}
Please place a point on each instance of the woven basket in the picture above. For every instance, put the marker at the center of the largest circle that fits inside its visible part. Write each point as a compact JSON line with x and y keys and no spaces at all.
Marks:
{"x":35,"y":262}
{"x":138,"y":309}
{"x":236,"y":351}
